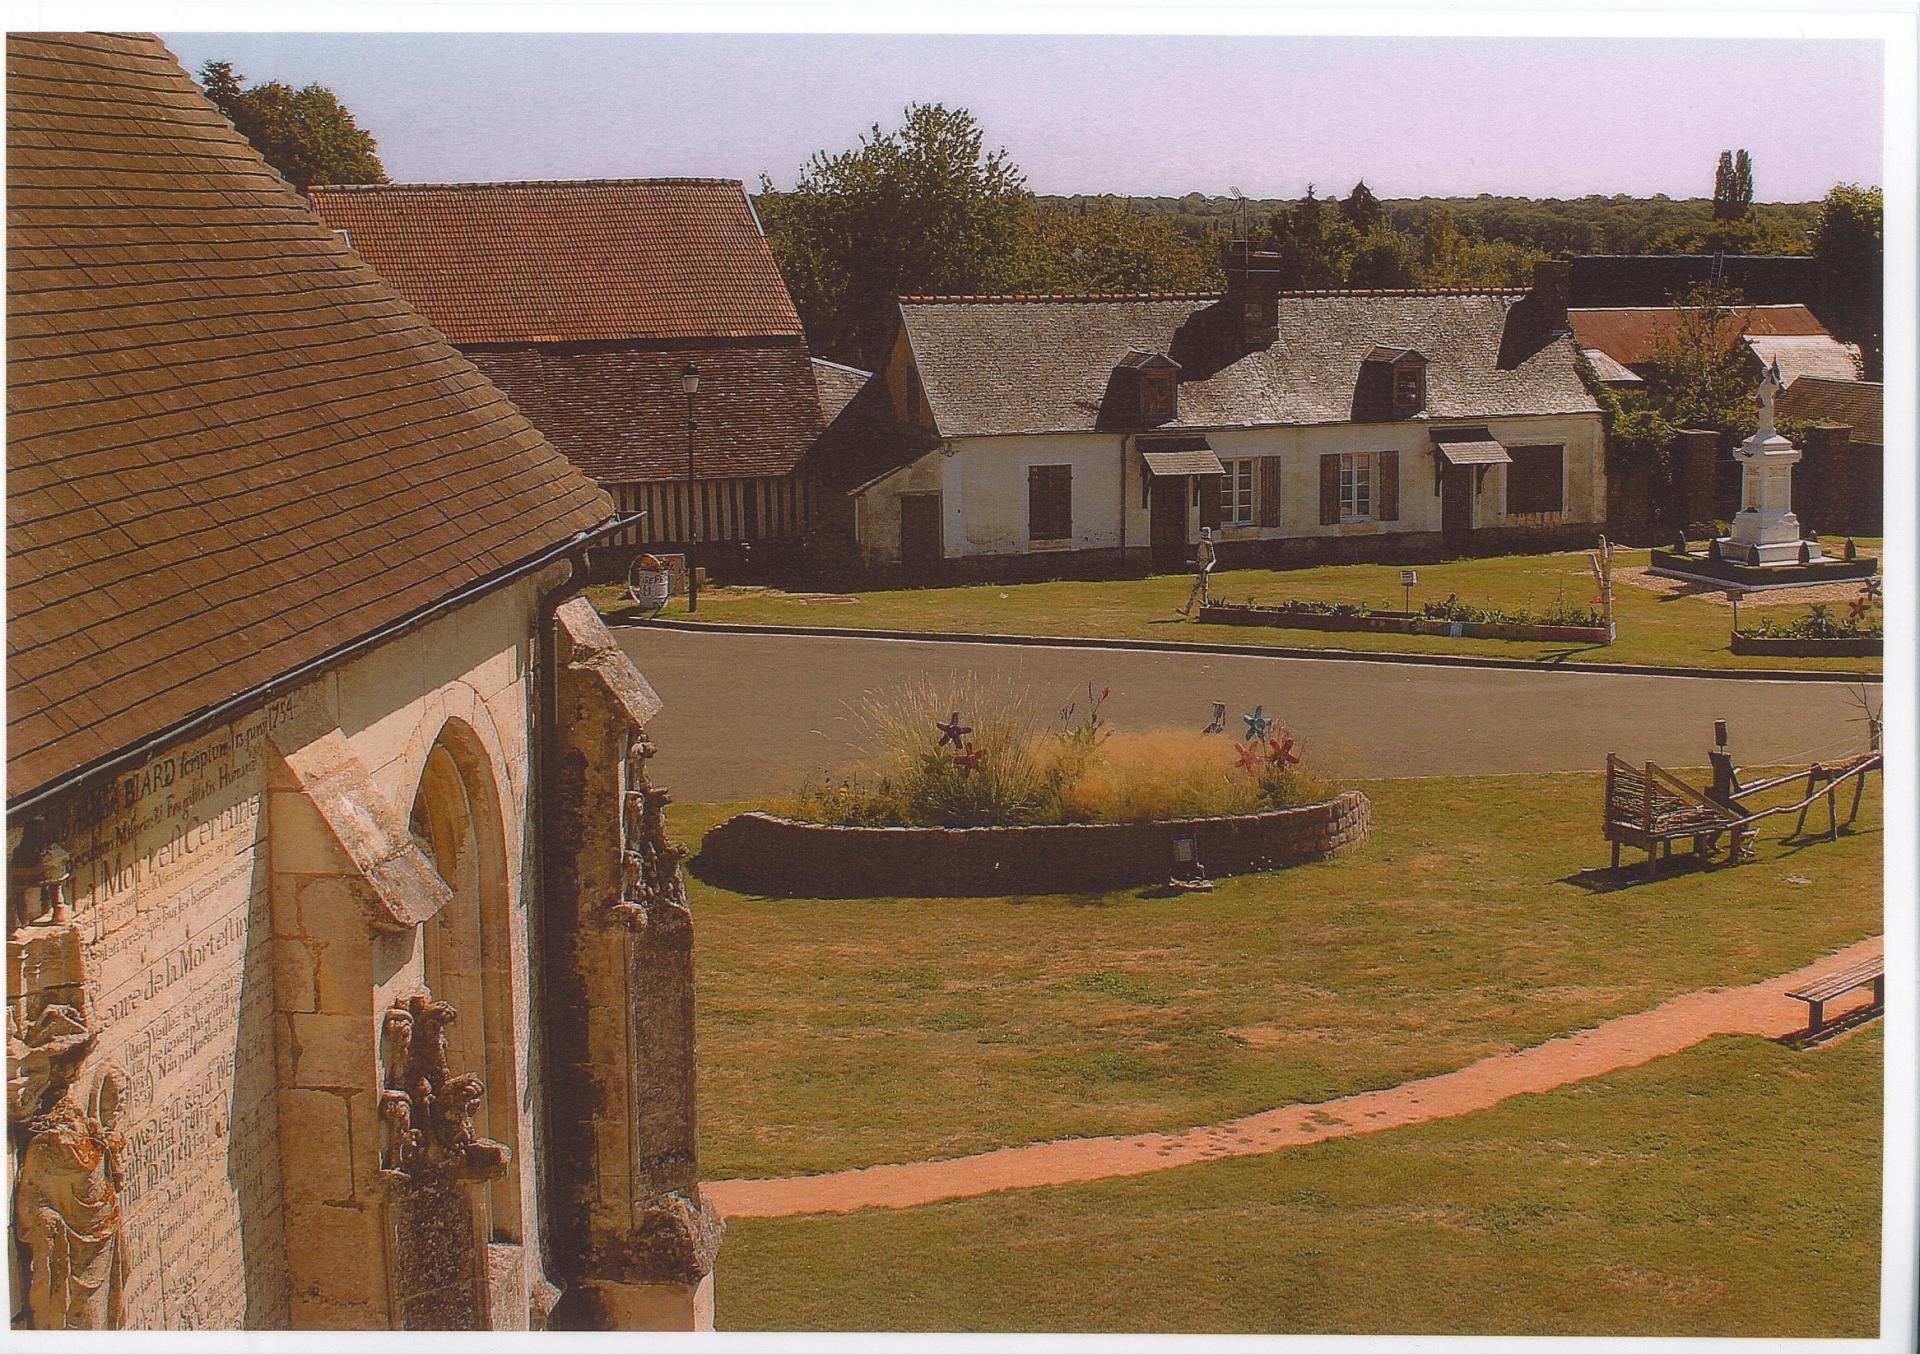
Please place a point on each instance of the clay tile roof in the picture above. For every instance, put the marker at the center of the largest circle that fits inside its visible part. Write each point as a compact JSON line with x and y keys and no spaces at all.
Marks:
{"x":570,"y":261}
{"x":1857,"y":404}
{"x":231,"y":448}
{"x":992,"y":367}
{"x":1627,"y":333}
{"x":617,"y":411}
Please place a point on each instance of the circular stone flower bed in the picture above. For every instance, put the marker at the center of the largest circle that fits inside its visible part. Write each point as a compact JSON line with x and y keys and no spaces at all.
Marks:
{"x":765,"y":853}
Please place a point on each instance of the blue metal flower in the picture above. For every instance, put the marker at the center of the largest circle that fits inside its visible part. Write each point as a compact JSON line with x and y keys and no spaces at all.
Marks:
{"x":1257,"y":724}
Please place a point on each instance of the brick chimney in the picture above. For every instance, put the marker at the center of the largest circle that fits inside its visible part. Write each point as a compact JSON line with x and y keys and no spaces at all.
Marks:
{"x":1552,"y":293}
{"x":1253,"y":291}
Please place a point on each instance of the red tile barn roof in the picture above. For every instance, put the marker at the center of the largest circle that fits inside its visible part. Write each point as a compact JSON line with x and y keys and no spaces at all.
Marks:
{"x":570,"y":261}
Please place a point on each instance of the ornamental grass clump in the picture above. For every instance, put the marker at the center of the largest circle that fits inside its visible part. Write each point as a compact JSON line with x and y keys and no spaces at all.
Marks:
{"x":981,"y":756}
{"x":991,"y":774}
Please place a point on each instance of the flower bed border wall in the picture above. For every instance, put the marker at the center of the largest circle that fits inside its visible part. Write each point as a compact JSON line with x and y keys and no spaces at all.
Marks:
{"x":1401,"y":623}
{"x":764,"y":853}
{"x":1786,"y":647}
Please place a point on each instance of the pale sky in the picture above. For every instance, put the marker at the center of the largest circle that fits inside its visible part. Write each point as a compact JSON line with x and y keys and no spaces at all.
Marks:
{"x":1535,"y":117}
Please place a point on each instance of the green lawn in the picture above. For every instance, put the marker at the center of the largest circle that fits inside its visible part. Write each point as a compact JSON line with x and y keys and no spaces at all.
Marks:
{"x":843,"y":1033}
{"x":1731,"y":1190}
{"x":1653,"y":627}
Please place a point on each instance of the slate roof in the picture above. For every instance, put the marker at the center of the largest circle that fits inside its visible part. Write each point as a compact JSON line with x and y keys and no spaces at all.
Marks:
{"x":1010,"y":365}
{"x":570,"y":261}
{"x":618,"y":413}
{"x":1610,"y":371}
{"x":231,"y":447}
{"x":1628,"y":334}
{"x":863,"y":441}
{"x":1802,"y":355}
{"x":1858,"y":404}
{"x":836,"y":385}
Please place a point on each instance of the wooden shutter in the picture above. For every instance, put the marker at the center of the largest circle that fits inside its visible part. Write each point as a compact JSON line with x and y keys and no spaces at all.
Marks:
{"x":1389,"y":492}
{"x":1049,"y":502}
{"x":1267,"y":488}
{"x":1329,"y":490}
{"x":1535,"y":480}
{"x":1210,"y":500}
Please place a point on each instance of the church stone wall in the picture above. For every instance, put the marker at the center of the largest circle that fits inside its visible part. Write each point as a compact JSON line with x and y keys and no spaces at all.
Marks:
{"x":152,"y":1015}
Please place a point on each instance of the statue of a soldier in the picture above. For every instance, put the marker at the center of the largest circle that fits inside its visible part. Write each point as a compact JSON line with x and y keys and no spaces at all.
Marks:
{"x":1203,"y":557}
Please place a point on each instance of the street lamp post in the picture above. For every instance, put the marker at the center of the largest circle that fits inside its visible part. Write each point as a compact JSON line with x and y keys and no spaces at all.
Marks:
{"x":689,"y":383}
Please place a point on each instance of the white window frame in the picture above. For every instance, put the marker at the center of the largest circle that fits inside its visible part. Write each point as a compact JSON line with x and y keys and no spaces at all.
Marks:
{"x":1239,"y":506}
{"x":1359,"y":486}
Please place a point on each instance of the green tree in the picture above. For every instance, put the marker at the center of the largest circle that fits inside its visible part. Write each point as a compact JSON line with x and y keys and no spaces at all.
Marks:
{"x":918,"y":209}
{"x":1106,"y":245}
{"x":1316,"y":245}
{"x":1362,"y":209}
{"x":1699,"y":375}
{"x":307,"y":134}
{"x":1383,"y":258}
{"x":1847,"y":242}
{"x":1733,"y":186}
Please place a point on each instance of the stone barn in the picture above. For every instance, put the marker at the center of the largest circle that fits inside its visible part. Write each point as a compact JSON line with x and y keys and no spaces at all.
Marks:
{"x":349,"y":968}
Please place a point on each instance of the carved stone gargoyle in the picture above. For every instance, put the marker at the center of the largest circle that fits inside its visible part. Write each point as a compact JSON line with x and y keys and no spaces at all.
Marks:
{"x":429,"y":1112}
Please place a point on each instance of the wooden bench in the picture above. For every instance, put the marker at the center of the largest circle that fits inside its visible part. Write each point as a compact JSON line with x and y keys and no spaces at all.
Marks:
{"x":1823,"y":990}
{"x":1651,"y":808}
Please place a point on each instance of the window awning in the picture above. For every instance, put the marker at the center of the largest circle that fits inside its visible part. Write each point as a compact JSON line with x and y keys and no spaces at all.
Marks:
{"x":1180,"y":456}
{"x":1470,"y":446}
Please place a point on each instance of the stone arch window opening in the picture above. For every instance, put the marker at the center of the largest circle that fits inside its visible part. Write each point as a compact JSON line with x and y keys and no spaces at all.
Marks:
{"x":457,"y":823}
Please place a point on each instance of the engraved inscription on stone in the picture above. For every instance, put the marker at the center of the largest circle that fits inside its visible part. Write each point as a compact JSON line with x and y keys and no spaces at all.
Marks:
{"x":169,"y":901}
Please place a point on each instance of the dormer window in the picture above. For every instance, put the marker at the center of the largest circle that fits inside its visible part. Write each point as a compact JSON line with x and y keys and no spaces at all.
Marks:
{"x":1156,"y":394}
{"x":1393,"y":383}
{"x":1146,"y":387}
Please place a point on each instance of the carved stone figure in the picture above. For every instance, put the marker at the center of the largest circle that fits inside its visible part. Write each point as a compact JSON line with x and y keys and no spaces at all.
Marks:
{"x":427,"y":1111}
{"x":67,"y":1213}
{"x":650,"y":875}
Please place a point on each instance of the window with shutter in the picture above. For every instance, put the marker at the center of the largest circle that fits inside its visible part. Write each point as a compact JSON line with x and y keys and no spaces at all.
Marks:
{"x":1236,"y":493}
{"x":1270,"y":491}
{"x":1536,"y":479}
{"x":1356,"y":487}
{"x":1329,"y":490}
{"x":1389,"y":492}
{"x":1050,"y":502}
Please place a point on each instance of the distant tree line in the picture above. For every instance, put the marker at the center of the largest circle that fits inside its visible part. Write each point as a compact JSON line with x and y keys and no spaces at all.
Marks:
{"x":925,"y":208}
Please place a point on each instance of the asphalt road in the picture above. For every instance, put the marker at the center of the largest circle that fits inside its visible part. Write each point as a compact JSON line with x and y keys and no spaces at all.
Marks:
{"x":751,"y":714}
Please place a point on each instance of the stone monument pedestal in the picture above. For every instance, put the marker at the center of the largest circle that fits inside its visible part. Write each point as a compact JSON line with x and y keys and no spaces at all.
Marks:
{"x":1765,"y":547}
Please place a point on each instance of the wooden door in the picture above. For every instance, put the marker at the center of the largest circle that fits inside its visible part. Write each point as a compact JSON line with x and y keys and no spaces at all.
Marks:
{"x":920,"y":531}
{"x":1167,"y":522}
{"x":1456,"y":504}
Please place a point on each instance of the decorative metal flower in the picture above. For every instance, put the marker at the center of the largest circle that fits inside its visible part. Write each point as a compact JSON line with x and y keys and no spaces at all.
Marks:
{"x":968,"y":759}
{"x":1247,"y":756}
{"x":953,"y":731}
{"x":1283,"y":752}
{"x":1257,"y":724}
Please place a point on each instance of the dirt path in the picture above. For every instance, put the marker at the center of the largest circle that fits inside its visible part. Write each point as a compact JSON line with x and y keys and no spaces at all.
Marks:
{"x":1762,"y":1009}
